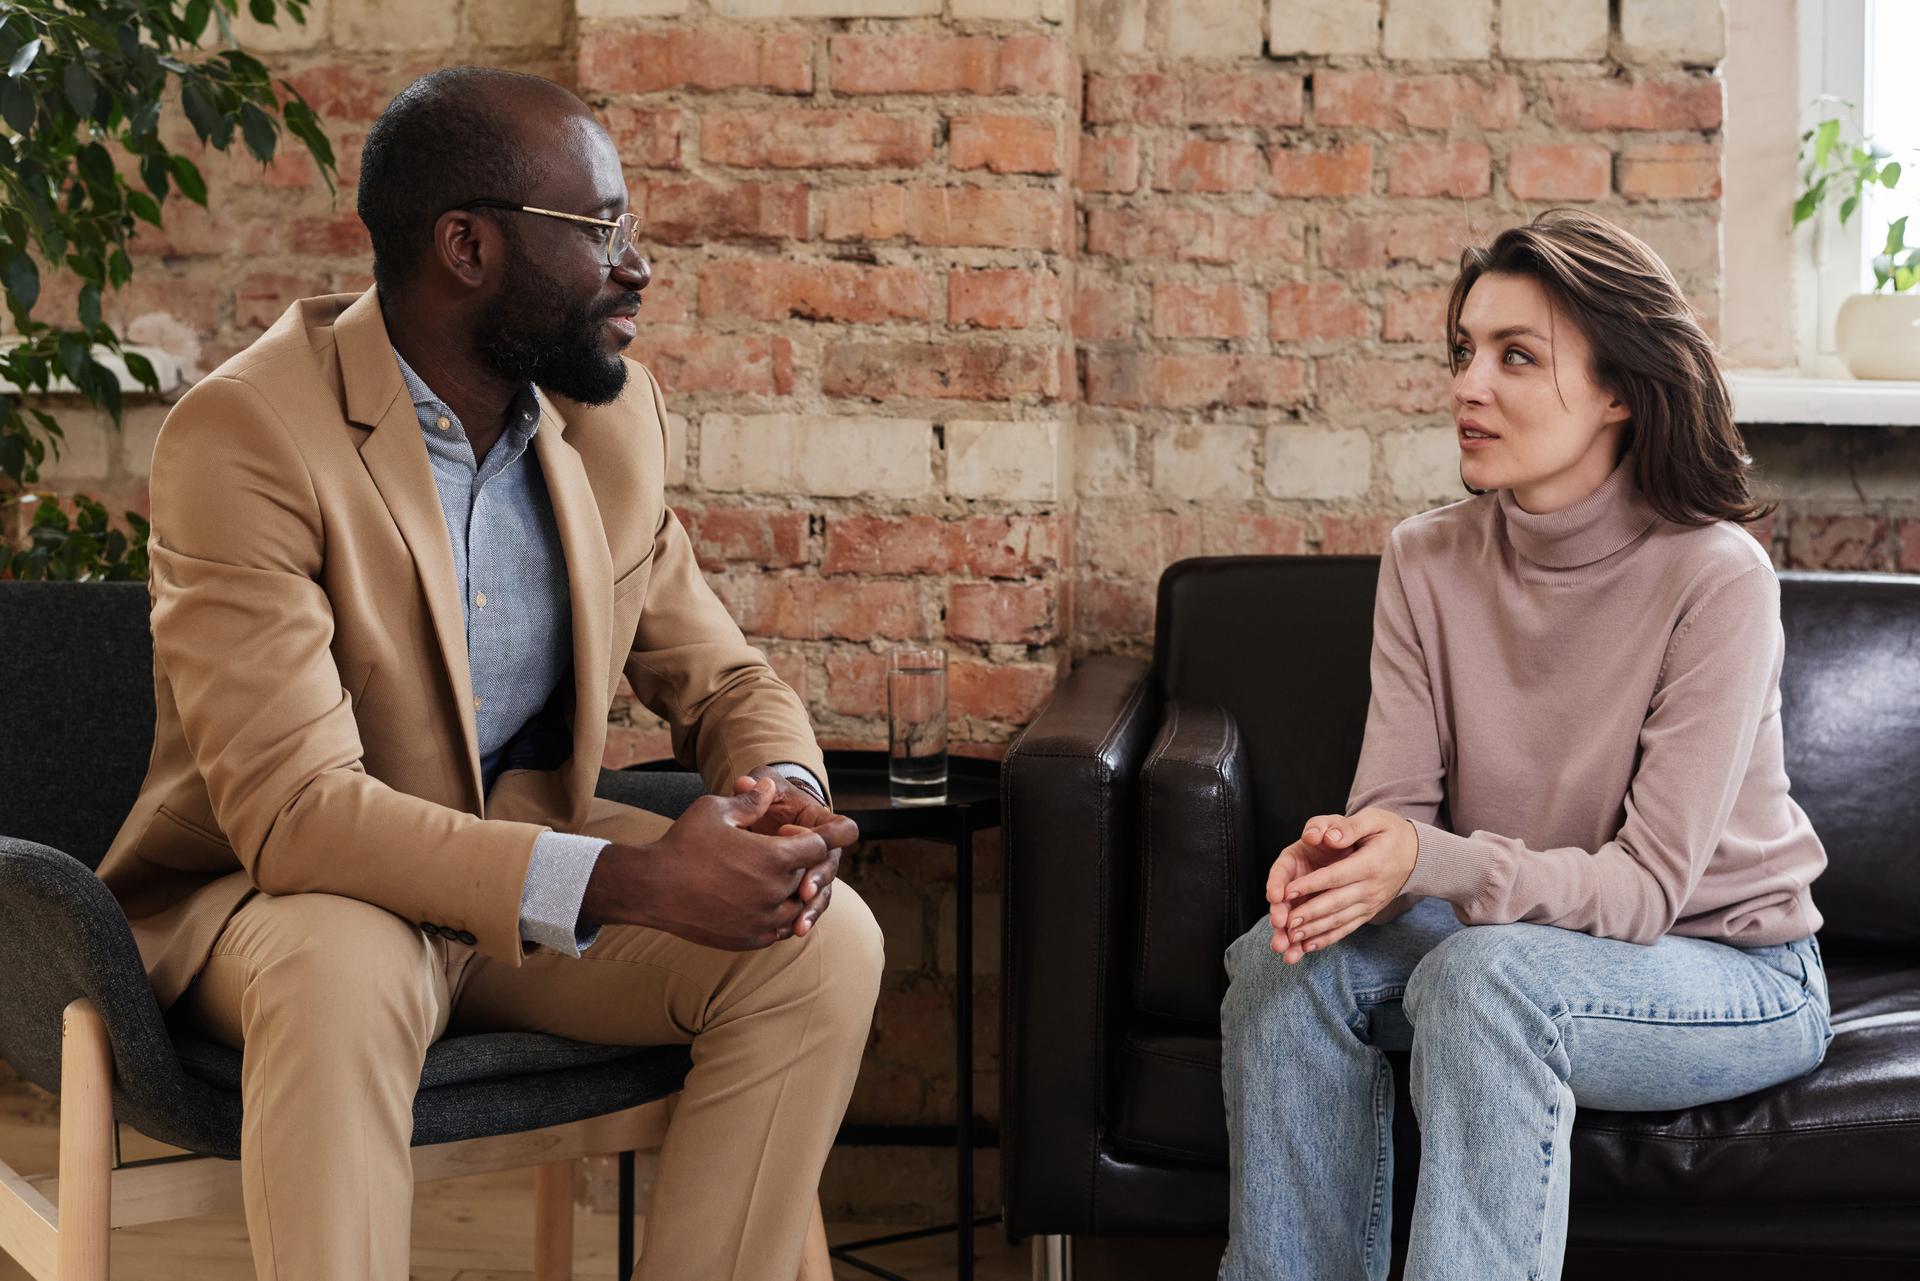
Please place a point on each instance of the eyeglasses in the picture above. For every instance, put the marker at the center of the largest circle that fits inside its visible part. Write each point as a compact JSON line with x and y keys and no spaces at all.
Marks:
{"x":623,"y":233}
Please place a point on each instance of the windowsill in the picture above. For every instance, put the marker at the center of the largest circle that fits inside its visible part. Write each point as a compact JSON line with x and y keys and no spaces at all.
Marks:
{"x":166,"y":368}
{"x":1835,"y":402}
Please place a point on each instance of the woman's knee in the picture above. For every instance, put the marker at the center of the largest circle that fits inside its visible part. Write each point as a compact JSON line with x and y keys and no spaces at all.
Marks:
{"x":1479,"y":980}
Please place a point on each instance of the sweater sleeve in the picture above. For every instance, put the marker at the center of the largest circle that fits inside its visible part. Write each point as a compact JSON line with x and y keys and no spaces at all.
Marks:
{"x":1401,"y":765}
{"x":1719,"y":678}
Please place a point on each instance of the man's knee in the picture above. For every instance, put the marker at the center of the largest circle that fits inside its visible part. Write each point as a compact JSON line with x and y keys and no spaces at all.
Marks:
{"x":852,"y":951}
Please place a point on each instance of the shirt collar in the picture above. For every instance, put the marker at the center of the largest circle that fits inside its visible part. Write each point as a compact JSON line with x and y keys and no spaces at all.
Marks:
{"x":1593,"y":529}
{"x":524,"y":422}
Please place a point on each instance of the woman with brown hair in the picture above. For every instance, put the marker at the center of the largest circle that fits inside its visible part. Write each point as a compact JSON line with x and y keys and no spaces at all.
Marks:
{"x":1569,"y":873}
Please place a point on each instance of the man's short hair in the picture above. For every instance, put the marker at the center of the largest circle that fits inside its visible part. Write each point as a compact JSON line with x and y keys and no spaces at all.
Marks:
{"x":446,"y":139}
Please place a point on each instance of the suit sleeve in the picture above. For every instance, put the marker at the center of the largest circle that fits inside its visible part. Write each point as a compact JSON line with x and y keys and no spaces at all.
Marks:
{"x":243,"y":628}
{"x":727,"y":710}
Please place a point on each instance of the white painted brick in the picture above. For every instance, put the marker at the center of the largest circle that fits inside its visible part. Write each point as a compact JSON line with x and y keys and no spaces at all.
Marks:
{"x":379,"y":24}
{"x":1103,"y":458}
{"x":1204,"y":460}
{"x":515,"y":23}
{"x":630,"y":8}
{"x":1215,"y":28}
{"x":1554,"y":28}
{"x":1014,"y":461}
{"x":139,"y":427}
{"x":830,"y":457}
{"x":827,"y":8}
{"x":1438,"y":28}
{"x":676,"y":449}
{"x":1423,"y":464}
{"x":86,"y":453}
{"x":284,"y":36}
{"x":1690,"y":31}
{"x":1008,"y":10}
{"x":1310,"y":462}
{"x":1324,"y":26}
{"x":1112,"y":26}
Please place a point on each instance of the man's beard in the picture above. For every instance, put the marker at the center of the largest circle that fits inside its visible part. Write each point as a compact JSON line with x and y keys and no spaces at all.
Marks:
{"x":531,"y":331}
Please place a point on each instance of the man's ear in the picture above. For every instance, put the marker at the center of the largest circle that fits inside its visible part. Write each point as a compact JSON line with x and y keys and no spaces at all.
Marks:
{"x":466,"y":246}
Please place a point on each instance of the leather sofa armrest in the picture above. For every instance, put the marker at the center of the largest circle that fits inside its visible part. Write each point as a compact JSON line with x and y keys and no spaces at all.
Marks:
{"x":1196,"y":805}
{"x":1071,"y":839}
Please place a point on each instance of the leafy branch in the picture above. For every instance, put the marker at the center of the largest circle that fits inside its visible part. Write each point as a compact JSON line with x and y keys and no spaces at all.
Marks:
{"x":82,"y":162}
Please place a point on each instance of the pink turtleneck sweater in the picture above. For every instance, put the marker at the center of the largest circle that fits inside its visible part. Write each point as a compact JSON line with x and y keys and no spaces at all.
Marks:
{"x":1580,"y":712}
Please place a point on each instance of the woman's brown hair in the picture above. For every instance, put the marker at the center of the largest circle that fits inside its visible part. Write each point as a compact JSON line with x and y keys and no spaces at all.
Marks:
{"x":1648,"y":350}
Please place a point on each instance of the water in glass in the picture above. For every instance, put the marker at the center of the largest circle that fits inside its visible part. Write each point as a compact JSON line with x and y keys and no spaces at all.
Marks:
{"x":917,"y":728}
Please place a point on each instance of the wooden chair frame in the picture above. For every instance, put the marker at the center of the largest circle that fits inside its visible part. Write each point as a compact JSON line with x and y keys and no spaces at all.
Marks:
{"x":56,"y":1226}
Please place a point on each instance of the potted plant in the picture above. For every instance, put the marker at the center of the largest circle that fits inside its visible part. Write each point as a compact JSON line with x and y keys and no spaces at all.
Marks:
{"x":1877,"y":334}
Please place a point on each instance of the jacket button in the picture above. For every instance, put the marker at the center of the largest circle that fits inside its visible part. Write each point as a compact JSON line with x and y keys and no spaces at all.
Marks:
{"x":466,"y":936}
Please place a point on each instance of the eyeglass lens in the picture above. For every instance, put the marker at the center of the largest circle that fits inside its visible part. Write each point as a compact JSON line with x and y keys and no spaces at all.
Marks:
{"x":622,"y":236}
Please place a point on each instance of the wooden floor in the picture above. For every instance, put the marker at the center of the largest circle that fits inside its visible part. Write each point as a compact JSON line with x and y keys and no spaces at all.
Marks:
{"x":473,"y":1229}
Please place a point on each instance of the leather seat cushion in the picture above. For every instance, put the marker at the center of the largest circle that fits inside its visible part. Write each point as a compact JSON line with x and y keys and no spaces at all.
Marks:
{"x":1846,"y":1133}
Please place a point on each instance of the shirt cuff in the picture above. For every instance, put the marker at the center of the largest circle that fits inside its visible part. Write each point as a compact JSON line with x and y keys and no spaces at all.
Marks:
{"x":801,"y":774}
{"x":1447,"y":867}
{"x":556,"y":885}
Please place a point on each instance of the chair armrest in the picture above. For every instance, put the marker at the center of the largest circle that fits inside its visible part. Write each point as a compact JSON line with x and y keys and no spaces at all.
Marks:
{"x":1071,"y":839}
{"x":1197,"y":833}
{"x":63,"y":937}
{"x":658,"y":791}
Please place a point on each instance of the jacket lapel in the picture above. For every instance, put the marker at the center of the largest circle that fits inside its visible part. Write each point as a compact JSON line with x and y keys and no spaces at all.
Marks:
{"x":583,"y":539}
{"x":396,"y":458}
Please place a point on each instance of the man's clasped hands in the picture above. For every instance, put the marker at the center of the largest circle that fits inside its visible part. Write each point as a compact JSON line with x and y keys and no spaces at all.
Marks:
{"x":1338,"y":876}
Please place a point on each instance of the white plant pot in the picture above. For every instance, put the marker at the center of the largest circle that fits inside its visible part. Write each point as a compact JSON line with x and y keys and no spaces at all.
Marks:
{"x":1878,"y":335}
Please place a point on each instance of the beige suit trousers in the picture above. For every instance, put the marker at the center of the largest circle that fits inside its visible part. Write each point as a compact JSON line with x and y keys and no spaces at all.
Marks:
{"x":334,"y":1003}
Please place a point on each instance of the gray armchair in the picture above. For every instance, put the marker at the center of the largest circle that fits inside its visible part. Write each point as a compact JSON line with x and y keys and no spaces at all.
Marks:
{"x":76,"y":729}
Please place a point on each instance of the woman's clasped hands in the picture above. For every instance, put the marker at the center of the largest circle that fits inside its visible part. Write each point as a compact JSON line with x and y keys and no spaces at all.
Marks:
{"x":1341,"y":872}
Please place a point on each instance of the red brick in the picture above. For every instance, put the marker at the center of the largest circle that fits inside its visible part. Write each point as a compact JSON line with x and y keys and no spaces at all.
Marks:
{"x":1003,"y":299}
{"x":1408,"y":386}
{"x":817,"y":609}
{"x":1271,"y":99}
{"x":1909,"y":547}
{"x":1102,"y":310}
{"x":666,"y":302}
{"x":291,"y":169}
{"x":1008,"y":546}
{"x":646,"y":139}
{"x":260,"y":299}
{"x":1457,"y":169}
{"x":1335,"y":171}
{"x":1193,"y":381}
{"x":1416,"y":315}
{"x":1564,"y":171}
{"x":1010,"y":613}
{"x":1004,"y":144}
{"x":337,"y":235}
{"x":1353,"y":243}
{"x":985,"y":546}
{"x":991,"y":217}
{"x":1690,"y":246}
{"x":802,"y":138}
{"x":1010,"y":692}
{"x":1355,"y":535}
{"x":696,"y":58}
{"x":1316,"y":310}
{"x":781,"y":288}
{"x":1838,"y":542}
{"x":1138,"y":544}
{"x":1664,"y":103}
{"x":863,"y":64}
{"x":1200,"y":164}
{"x":193,"y":232}
{"x":1381,"y":100}
{"x":1147,"y":99}
{"x":630,"y":745}
{"x":348,"y":148}
{"x":694,"y":212}
{"x":1252,"y":534}
{"x":1671,"y":171}
{"x":745,"y":365}
{"x":338,"y":92}
{"x":1201,"y":311}
{"x":1112,"y":607}
{"x":857,"y":682}
{"x":1194,"y":235}
{"x":756,"y":536}
{"x":939,"y":371}
{"x":1109,"y":164}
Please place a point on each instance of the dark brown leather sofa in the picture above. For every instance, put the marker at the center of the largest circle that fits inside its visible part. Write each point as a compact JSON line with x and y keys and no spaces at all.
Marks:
{"x":1146,"y":802}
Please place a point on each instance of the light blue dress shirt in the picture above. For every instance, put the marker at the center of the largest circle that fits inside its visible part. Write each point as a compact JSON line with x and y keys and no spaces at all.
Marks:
{"x":512,"y":575}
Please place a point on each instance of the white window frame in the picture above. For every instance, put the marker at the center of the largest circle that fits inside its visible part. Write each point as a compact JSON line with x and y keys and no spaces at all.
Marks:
{"x":1828,"y":257}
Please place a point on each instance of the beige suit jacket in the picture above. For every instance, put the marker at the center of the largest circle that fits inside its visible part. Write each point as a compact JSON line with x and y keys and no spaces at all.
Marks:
{"x":315,"y":727}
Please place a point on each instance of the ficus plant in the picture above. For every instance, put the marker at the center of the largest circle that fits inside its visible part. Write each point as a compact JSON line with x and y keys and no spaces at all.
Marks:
{"x":1833,"y":167}
{"x":83,"y":160}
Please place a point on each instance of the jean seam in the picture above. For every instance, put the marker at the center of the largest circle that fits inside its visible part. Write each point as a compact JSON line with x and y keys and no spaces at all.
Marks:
{"x":1539,"y":1268}
{"x":1720,"y":1021}
{"x":1383,"y":1141}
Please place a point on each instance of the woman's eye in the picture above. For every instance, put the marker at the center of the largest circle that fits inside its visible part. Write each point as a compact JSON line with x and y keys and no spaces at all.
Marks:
{"x":1512,"y":353}
{"x":1460,"y":354}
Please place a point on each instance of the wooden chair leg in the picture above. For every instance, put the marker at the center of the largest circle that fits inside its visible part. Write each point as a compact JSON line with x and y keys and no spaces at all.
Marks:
{"x":553,"y":1222}
{"x":86,"y":1144}
{"x":815,"y":1263}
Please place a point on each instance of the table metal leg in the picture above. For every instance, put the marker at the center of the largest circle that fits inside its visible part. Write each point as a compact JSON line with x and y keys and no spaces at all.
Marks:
{"x":624,"y":1211}
{"x":963,"y":1038}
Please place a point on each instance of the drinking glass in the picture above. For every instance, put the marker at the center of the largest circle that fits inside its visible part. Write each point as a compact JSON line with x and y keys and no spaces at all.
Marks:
{"x":917,"y":726}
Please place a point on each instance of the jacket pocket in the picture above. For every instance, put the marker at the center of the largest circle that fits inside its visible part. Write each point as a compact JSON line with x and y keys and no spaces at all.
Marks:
{"x":633,"y":580}
{"x":180,"y":843}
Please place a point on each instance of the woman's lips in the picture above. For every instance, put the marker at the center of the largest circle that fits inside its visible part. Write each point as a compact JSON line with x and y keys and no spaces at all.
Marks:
{"x":1475,"y":442}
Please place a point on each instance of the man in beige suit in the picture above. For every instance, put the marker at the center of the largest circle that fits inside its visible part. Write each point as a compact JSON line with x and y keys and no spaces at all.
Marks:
{"x":404,"y":548}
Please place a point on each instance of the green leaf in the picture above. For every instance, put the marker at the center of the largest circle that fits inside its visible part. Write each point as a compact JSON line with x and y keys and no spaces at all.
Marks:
{"x":17,"y":106}
{"x":24,"y":58}
{"x":23,"y":281}
{"x":1803,"y":208}
{"x":206,"y":119}
{"x":119,"y":268}
{"x":1897,"y":235}
{"x":1826,"y":136}
{"x":89,"y":306}
{"x":144,"y":206}
{"x":75,"y":358}
{"x":262,"y":11}
{"x":192,"y":185}
{"x":1847,"y":207}
{"x":141,"y":368}
{"x":195,"y":19}
{"x":1903,"y":278}
{"x":1890,"y":174}
{"x":81,"y":91}
{"x":96,"y":166}
{"x":258,"y":129}
{"x":153,"y":172}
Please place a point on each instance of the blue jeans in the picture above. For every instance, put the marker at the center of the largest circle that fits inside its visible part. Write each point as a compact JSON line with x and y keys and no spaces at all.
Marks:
{"x":1510,"y":1026}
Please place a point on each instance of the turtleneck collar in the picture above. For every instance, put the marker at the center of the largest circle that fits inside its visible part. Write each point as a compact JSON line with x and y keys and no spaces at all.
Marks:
{"x":1590,"y":530}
